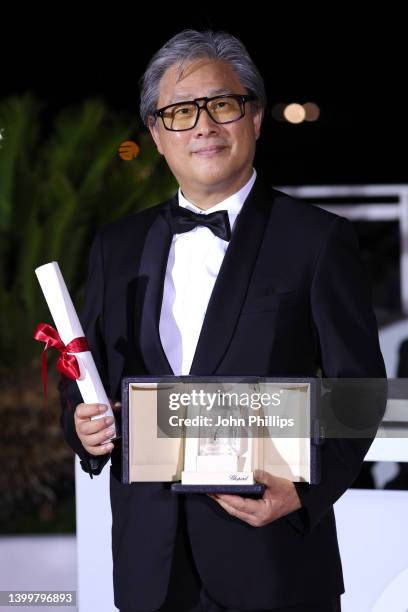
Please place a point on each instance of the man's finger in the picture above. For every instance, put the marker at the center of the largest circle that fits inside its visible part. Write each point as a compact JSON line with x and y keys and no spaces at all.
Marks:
{"x":243,"y":504}
{"x":251,"y":519}
{"x":100,"y":436}
{"x":264,"y":478}
{"x":90,"y":427}
{"x":99,"y":450}
{"x":85,"y":411}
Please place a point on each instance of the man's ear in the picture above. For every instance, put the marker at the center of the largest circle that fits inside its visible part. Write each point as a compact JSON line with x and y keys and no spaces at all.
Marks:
{"x":154,"y":131}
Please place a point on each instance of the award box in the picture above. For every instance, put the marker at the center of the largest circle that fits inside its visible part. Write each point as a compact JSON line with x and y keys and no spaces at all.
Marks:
{"x":204,"y":447}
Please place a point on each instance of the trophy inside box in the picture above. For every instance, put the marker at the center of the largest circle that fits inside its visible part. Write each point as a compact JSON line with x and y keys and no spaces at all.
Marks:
{"x":219,"y":453}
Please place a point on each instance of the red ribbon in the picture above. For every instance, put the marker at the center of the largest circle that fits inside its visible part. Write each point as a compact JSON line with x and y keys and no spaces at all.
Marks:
{"x":66,"y":364}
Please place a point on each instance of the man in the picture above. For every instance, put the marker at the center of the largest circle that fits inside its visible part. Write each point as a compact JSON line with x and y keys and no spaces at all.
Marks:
{"x":271,"y":287}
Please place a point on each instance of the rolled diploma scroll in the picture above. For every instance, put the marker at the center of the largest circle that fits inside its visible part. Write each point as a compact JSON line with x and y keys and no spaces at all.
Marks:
{"x":68,"y":326}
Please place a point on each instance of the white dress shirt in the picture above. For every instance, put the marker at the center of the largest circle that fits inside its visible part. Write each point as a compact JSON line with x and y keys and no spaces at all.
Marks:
{"x":195,"y":258}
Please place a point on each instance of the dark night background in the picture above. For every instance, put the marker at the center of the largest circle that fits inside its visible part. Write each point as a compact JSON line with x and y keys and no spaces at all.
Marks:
{"x":353,"y":67}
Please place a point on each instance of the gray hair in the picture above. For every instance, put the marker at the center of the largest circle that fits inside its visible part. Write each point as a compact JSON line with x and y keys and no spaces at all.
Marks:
{"x":190,"y":45}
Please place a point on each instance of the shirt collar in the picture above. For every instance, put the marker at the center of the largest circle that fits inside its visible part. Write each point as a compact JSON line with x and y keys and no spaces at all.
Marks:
{"x":232,"y":204}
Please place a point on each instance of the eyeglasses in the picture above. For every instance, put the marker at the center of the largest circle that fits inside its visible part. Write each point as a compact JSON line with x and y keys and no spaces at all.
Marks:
{"x":222,"y":109}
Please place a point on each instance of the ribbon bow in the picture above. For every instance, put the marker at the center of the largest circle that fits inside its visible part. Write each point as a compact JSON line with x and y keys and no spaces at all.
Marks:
{"x":67,"y":364}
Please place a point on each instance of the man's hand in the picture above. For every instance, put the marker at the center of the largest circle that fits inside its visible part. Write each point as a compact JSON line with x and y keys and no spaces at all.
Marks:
{"x":94,"y":433}
{"x":280,"y":498}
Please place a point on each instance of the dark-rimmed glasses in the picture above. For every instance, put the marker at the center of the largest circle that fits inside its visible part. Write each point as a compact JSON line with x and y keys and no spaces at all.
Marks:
{"x":182,"y":116}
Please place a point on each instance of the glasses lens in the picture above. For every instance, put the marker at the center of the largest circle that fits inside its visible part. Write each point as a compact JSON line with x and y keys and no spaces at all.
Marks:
{"x":224,"y":110}
{"x":180,"y":116}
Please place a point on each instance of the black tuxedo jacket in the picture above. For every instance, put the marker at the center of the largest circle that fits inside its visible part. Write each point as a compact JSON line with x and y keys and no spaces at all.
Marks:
{"x":291,"y":297}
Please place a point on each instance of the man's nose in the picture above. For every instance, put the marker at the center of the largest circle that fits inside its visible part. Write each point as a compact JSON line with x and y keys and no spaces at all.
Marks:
{"x":204,"y":122}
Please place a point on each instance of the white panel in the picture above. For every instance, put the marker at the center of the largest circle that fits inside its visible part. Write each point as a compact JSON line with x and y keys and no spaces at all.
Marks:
{"x":373,"y":539}
{"x":94,"y":521}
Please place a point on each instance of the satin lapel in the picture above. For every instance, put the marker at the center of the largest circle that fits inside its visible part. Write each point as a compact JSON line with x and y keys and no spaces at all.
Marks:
{"x":232,"y":282}
{"x":149,"y":294}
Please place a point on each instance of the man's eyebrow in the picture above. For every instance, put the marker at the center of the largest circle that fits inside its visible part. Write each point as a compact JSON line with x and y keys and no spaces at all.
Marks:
{"x":185,"y":97}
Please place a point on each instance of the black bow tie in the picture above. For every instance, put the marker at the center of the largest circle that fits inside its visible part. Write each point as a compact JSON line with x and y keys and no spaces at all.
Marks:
{"x":184,"y":220}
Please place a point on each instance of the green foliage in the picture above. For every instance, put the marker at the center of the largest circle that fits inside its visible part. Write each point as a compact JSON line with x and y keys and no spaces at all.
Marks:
{"x":59,"y":180}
